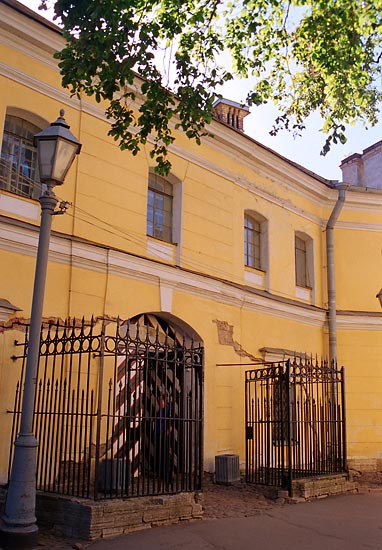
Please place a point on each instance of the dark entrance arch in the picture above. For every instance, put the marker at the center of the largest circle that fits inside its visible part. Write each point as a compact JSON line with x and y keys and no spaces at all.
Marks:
{"x":157,"y":408}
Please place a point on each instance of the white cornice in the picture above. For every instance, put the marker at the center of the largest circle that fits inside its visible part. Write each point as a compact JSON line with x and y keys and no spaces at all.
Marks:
{"x":259,"y":191}
{"x":89,"y":256}
{"x":96,"y":111}
{"x":58,"y":94}
{"x":269,"y":164}
{"x":359,"y":322}
{"x":31,"y":50}
{"x":240,"y":148}
{"x":95,"y":258}
{"x":244,"y":183}
{"x":31,"y":31}
{"x":359,"y":226}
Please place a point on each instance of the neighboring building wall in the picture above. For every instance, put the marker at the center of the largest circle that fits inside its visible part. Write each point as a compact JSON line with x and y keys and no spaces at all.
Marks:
{"x":103,"y":263}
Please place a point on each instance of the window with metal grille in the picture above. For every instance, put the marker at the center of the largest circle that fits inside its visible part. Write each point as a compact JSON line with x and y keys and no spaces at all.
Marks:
{"x":302,"y":262}
{"x":18,"y":159}
{"x":159,"y":208}
{"x":252,"y":242}
{"x":284,"y":410}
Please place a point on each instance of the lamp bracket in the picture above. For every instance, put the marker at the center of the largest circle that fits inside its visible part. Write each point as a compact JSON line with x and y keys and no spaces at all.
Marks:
{"x":62,"y":208}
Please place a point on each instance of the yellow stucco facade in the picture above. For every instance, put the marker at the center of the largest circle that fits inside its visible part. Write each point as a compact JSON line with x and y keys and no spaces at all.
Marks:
{"x":103,"y":263}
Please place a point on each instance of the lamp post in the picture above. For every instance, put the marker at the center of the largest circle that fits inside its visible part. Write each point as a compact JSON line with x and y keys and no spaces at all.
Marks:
{"x":56,"y":150}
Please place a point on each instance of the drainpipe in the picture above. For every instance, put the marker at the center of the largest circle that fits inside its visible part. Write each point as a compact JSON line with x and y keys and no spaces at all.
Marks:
{"x":331,"y":283}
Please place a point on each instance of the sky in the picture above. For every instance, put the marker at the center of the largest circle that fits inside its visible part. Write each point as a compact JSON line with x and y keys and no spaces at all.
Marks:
{"x":305,"y":150}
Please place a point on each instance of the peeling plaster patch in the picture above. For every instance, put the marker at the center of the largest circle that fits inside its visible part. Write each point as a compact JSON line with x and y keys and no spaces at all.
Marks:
{"x":225,"y":336}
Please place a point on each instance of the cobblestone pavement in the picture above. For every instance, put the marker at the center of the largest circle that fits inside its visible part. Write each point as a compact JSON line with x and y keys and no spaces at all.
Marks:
{"x":220,"y":501}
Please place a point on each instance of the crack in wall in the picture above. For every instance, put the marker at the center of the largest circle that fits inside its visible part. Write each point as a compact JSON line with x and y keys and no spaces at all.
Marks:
{"x":225,"y":337}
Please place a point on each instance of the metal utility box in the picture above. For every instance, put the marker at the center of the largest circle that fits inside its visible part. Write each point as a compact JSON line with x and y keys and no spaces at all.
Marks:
{"x":227,"y":469}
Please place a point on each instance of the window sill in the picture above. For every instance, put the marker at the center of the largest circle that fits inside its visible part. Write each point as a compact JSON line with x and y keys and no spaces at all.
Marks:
{"x":19,"y":206}
{"x":304,"y":293}
{"x":160,"y":249}
{"x":254,"y":277}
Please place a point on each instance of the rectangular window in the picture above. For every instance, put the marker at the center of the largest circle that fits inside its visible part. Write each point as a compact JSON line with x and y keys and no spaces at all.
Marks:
{"x":252,"y":243}
{"x":301,"y":258}
{"x":159,"y":208}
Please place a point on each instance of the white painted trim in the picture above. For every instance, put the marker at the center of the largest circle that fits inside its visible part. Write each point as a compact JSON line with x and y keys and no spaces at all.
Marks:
{"x":96,"y":258}
{"x":303,"y":293}
{"x":19,"y":207}
{"x":244,"y":183}
{"x":355,"y":201}
{"x":360,"y":226}
{"x":37,"y":41}
{"x":254,"y":278}
{"x":18,"y":44}
{"x":29,"y":30}
{"x":160,"y":250}
{"x":359,"y":322}
{"x":7,"y":311}
{"x":58,"y":94}
{"x":166,"y":293}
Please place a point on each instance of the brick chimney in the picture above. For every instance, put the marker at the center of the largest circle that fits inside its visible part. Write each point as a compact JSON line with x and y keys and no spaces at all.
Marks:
{"x":231,"y":113}
{"x":364,"y":169}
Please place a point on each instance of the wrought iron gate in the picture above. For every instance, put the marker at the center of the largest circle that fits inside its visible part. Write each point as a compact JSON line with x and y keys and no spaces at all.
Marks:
{"x":118,"y":409}
{"x":295,"y":422}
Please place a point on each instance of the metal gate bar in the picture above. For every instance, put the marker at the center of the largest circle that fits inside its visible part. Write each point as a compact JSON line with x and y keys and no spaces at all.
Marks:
{"x":295,"y":422}
{"x":118,"y":409}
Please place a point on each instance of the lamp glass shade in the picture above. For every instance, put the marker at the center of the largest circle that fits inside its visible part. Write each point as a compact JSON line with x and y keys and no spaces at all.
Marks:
{"x":65,"y":154}
{"x":55,"y":157}
{"x":46,"y":150}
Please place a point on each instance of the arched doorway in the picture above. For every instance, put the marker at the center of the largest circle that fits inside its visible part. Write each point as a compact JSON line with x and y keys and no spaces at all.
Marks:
{"x":118,"y":408}
{"x":156,"y":409}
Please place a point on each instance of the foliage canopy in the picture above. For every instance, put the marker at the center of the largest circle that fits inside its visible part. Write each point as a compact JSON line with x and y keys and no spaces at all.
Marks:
{"x":304,"y":55}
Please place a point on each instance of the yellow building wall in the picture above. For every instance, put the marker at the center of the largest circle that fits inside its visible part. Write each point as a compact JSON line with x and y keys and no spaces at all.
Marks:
{"x":220,"y":180}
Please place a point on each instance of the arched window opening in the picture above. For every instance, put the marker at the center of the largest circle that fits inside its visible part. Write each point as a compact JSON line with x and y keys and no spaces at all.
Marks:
{"x":18,"y":159}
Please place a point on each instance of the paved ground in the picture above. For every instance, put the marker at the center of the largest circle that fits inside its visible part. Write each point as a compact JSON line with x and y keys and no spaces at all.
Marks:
{"x":352,"y":522}
{"x":240,"y":516}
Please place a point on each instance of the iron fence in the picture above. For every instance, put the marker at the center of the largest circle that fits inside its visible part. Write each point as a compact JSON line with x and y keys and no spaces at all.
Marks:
{"x":118,"y":409}
{"x":295,"y":422}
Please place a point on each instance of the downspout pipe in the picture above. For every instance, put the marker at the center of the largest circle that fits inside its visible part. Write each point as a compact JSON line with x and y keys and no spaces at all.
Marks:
{"x":330,"y":272}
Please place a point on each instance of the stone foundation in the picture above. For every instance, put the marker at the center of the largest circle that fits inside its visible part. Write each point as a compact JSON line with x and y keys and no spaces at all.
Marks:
{"x":89,"y":520}
{"x":365,"y":464}
{"x":323,"y":486}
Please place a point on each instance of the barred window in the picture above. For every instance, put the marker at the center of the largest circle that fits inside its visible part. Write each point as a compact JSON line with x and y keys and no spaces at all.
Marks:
{"x":159,"y":208}
{"x":18,"y":160}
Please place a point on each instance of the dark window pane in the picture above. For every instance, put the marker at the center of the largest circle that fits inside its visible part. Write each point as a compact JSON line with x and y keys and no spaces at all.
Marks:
{"x":159,"y":208}
{"x":301,"y":262}
{"x":18,"y":160}
{"x":252,"y":247}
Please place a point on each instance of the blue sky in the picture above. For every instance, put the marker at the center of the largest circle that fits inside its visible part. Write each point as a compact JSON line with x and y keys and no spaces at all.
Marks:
{"x":304,"y":150}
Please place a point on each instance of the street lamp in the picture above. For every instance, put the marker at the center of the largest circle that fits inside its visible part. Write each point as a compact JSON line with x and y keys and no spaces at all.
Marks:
{"x":56,"y":151}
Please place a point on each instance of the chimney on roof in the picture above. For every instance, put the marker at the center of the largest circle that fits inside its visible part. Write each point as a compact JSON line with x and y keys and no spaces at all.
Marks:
{"x":231,"y":113}
{"x":364,"y":169}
